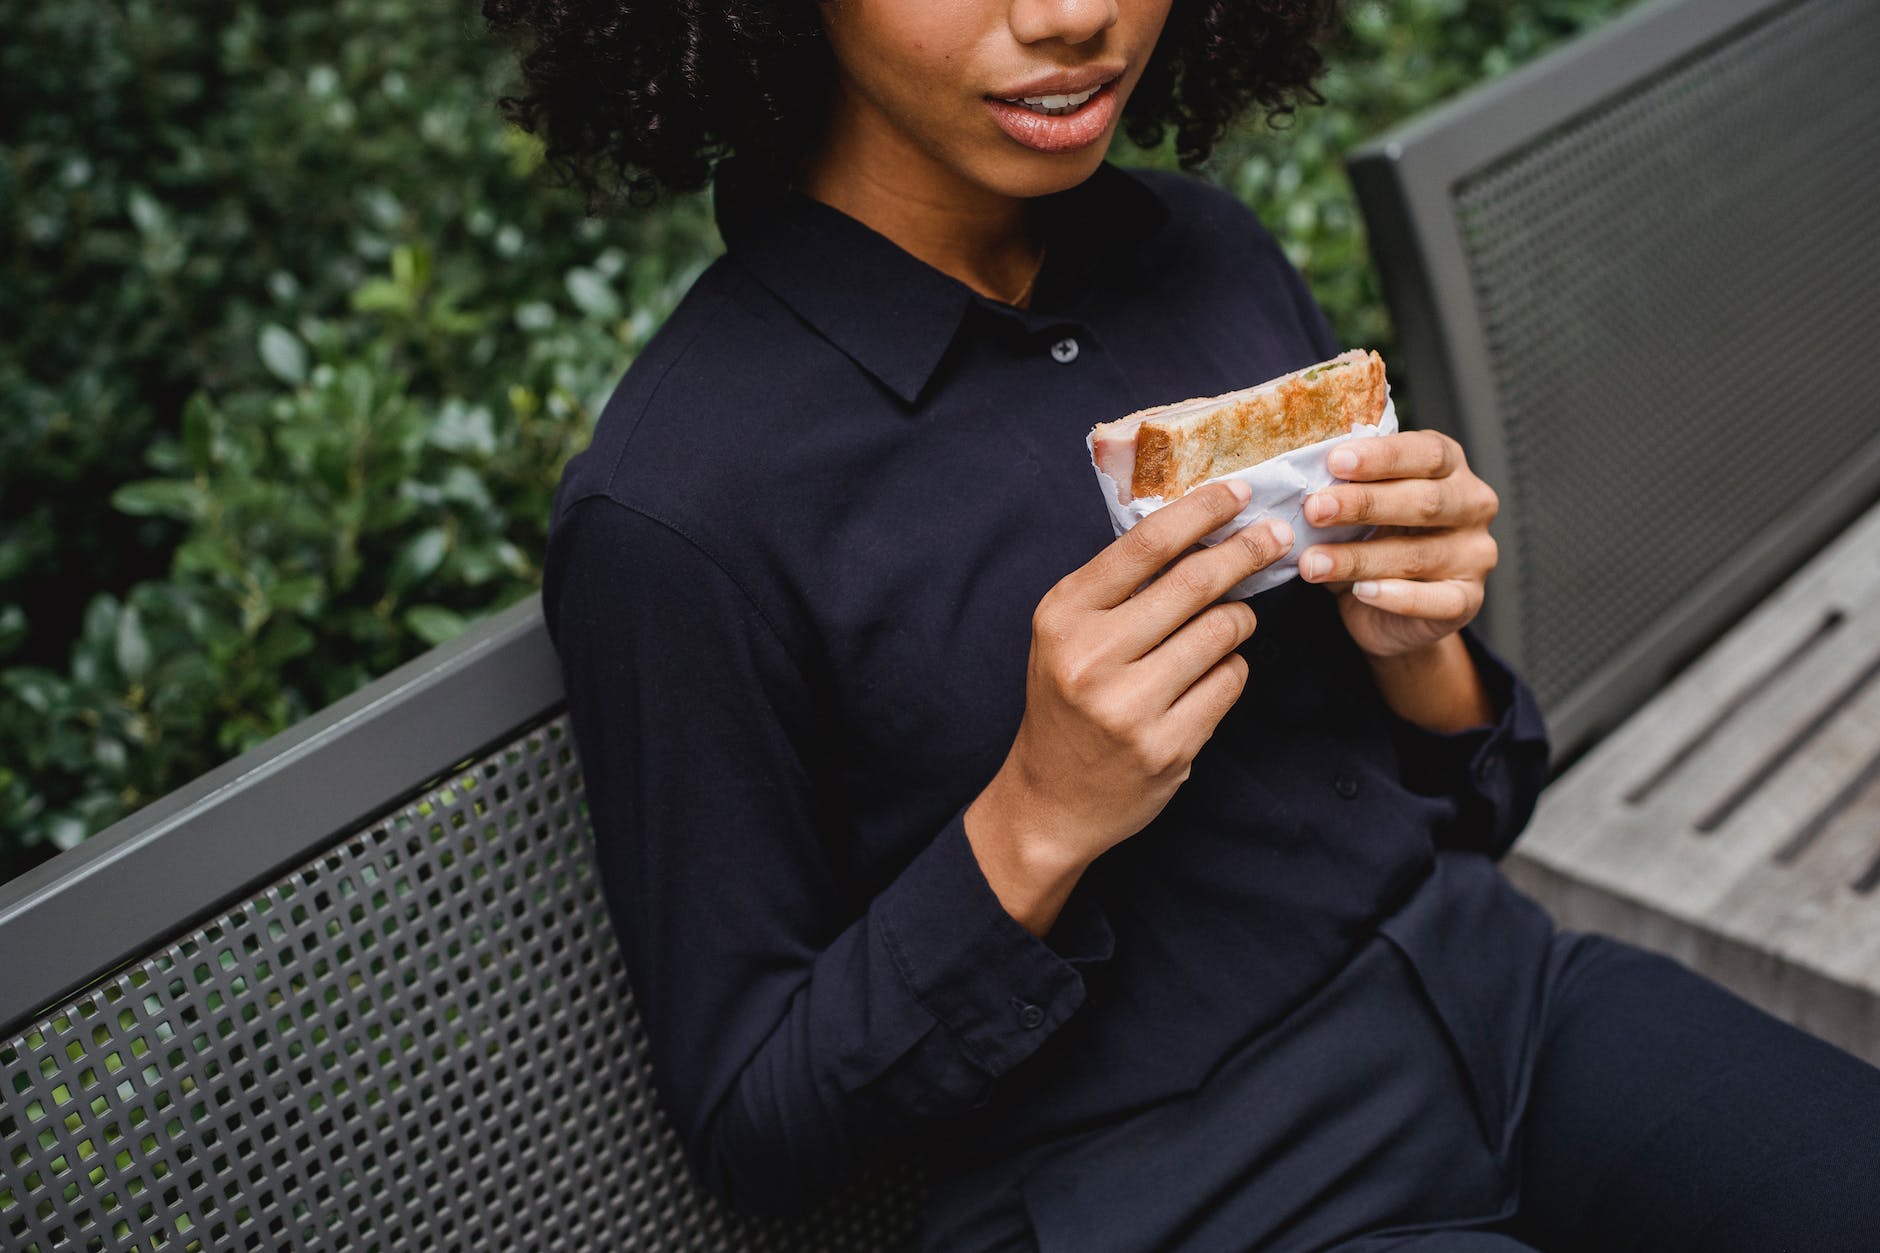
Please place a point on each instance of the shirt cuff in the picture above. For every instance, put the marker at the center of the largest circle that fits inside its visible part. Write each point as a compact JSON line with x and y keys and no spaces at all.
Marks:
{"x":1495,"y":772}
{"x":998,"y":988}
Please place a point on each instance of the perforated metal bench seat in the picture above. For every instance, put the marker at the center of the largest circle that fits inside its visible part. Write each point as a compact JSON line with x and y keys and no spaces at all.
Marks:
{"x":410,"y":1031}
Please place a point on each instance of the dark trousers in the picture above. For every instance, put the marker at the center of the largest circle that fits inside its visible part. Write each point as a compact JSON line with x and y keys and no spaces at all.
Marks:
{"x":1667,"y":1114}
{"x":1471,"y":1081}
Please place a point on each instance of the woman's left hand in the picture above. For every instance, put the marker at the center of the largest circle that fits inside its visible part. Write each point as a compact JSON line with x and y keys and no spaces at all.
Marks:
{"x":1420,"y":577}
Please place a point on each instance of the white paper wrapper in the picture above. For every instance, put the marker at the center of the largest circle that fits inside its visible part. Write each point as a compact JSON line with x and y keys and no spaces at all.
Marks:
{"x":1280,"y":487}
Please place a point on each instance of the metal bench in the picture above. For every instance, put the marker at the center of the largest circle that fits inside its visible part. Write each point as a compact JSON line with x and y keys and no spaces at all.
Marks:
{"x":1616,"y":275}
{"x":1620,"y":277}
{"x":356,"y":989}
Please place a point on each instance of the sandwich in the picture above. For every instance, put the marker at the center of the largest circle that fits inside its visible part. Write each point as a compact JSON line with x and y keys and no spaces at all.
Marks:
{"x":1170,"y":450}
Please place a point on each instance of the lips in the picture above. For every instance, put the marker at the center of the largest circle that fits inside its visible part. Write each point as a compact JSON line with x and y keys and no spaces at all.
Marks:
{"x":1058,"y":113}
{"x":1061,"y":82}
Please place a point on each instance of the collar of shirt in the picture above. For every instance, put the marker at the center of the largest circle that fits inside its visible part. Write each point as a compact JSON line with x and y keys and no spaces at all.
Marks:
{"x":892,"y":313}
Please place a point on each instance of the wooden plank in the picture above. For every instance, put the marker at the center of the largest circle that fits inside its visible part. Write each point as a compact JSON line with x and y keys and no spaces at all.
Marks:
{"x":1734,"y":821}
{"x":1831,"y":923}
{"x":1591,"y":820}
{"x":1784,"y":633}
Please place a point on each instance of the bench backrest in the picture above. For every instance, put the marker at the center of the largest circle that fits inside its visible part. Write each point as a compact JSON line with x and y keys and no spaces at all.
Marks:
{"x":356,"y":990}
{"x":1640,"y":280}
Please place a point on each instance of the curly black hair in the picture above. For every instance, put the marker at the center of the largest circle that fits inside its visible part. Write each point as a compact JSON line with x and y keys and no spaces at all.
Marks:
{"x":630,"y":96}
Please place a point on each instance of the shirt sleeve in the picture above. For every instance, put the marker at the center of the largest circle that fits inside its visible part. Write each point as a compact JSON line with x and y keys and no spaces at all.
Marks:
{"x":793,"y":1027}
{"x":1494,"y":773}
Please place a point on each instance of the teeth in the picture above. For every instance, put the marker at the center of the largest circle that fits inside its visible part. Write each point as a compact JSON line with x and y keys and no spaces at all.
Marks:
{"x":1056,"y":104}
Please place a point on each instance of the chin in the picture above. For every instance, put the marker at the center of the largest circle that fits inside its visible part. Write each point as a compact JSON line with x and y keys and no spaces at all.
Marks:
{"x":1032,"y":174}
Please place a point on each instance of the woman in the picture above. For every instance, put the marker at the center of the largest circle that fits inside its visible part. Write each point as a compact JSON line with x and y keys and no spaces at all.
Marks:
{"x":933,"y":820}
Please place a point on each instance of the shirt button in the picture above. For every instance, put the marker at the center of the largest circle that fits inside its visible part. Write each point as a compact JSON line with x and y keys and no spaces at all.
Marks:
{"x":1345,"y":786}
{"x":1030,"y":1016}
{"x":1064,"y":351}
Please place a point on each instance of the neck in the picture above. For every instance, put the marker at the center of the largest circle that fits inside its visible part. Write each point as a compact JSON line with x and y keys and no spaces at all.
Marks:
{"x":872,"y":172}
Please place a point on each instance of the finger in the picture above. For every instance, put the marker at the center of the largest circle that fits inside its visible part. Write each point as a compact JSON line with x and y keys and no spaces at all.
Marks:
{"x":1452,"y":600}
{"x":1195,"y":582}
{"x":1405,"y":455}
{"x":1196,"y":713}
{"x":1109,"y":577}
{"x":1174,"y":665}
{"x":1460,"y":500}
{"x":1428,"y":556}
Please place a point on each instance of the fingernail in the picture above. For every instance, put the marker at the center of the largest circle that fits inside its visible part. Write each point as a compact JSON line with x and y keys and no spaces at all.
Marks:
{"x":1364,"y":590}
{"x":1321,"y":507}
{"x":1243,"y":491}
{"x":1282,"y":532}
{"x":1341,"y":461}
{"x":1315,"y":565}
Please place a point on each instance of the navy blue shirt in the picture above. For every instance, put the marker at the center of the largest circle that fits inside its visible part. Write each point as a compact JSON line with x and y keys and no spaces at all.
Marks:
{"x":791,"y":584}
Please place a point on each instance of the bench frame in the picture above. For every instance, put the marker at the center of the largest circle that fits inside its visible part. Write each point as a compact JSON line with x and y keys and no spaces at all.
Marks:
{"x":183,"y":858}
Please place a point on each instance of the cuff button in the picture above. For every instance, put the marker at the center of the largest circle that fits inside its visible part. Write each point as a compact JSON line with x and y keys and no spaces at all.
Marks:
{"x":1345,"y":786}
{"x":1030,"y":1016}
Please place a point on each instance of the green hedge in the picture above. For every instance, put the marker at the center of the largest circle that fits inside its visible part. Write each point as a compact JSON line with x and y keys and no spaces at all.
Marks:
{"x":297,"y":338}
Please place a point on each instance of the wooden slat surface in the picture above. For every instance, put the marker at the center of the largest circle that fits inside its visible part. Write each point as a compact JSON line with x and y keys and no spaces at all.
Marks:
{"x":1734,"y":821}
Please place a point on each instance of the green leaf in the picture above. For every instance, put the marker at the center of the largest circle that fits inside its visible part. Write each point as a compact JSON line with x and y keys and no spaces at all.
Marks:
{"x":108,"y":752}
{"x":133,"y":646}
{"x":381,"y":295}
{"x":147,"y":213}
{"x":283,"y":354}
{"x":17,"y":554}
{"x":166,"y":497}
{"x":283,"y":641}
{"x":12,"y":628}
{"x":199,"y":431}
{"x":513,"y":558}
{"x":38,"y":689}
{"x":65,"y":831}
{"x":301,"y":594}
{"x":101,"y":621}
{"x":411,"y":267}
{"x":593,"y":294}
{"x":463,"y":486}
{"x":434,"y":624}
{"x":535,"y":315}
{"x":464,"y":428}
{"x":419,"y":559}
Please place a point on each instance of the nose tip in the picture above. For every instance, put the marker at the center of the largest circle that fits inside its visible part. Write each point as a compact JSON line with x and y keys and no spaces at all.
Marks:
{"x":1073,"y":21}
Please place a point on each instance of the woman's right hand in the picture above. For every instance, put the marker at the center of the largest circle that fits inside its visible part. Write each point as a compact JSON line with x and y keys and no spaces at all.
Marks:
{"x":1123,"y":688}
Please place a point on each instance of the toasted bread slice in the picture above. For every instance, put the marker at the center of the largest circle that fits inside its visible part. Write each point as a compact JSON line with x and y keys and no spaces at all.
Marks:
{"x":1169,"y":450}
